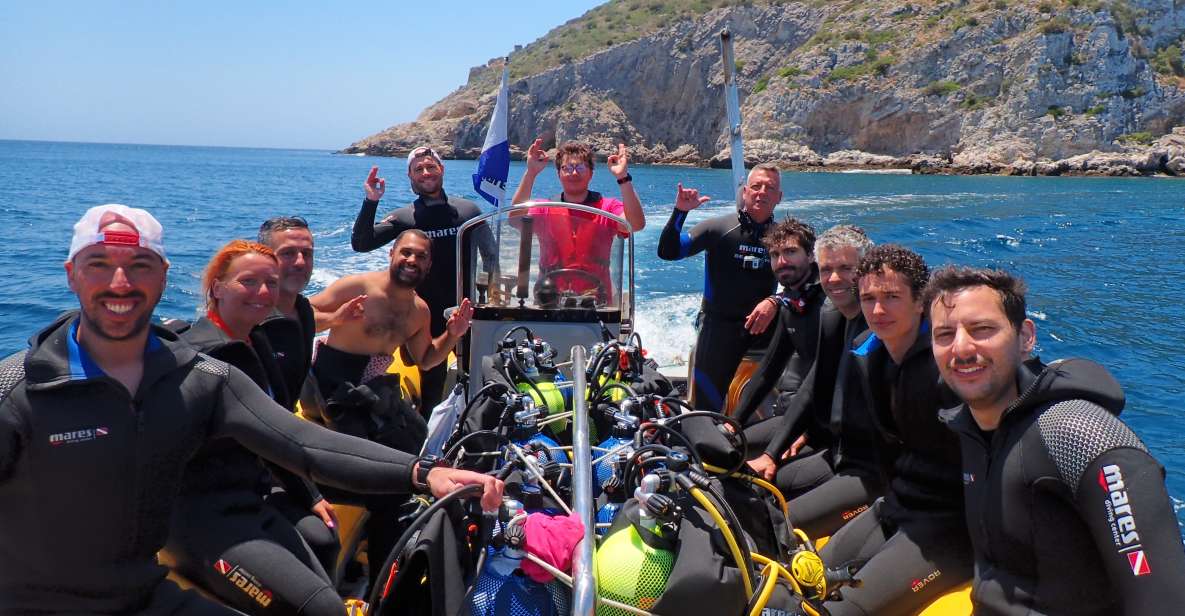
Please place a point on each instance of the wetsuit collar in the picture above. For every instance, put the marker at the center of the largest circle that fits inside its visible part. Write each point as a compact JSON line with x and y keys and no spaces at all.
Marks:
{"x":432,"y":201}
{"x":871,"y":343}
{"x":81,"y":365}
{"x":591,"y":199}
{"x":55,"y":357}
{"x":1028,"y":375}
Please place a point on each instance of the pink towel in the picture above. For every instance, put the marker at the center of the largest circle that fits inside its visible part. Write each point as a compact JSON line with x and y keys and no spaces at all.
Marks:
{"x":553,"y":539}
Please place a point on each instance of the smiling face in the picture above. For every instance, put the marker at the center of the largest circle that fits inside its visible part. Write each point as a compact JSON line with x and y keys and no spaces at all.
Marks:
{"x":246,"y":294}
{"x":426,"y":175}
{"x":118,"y":287}
{"x":411,"y":258}
{"x":889,"y":305}
{"x":837,"y":274}
{"x":977,"y":349}
{"x":294,"y":251}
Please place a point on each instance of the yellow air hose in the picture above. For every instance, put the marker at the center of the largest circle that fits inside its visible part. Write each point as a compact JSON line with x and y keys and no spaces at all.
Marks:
{"x":757,"y":481}
{"x":729,"y":538}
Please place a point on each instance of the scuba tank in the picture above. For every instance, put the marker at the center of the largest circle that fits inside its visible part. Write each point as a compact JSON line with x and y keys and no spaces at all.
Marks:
{"x":502,"y":588}
{"x":529,"y":365}
{"x":613,"y":488}
{"x":620,"y":435}
{"x":526,"y":430}
{"x":634,"y":562}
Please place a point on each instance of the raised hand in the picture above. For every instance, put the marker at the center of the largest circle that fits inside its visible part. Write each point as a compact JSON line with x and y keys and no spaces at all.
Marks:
{"x":688,"y":199}
{"x":619,"y":162}
{"x":537,"y":158}
{"x":374,"y":185}
{"x":458,"y":321}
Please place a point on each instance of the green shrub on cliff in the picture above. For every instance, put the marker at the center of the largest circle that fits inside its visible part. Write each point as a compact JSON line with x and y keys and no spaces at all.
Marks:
{"x":878,"y":66}
{"x":940,"y":88}
{"x":1140,"y":138}
{"x":1168,"y":61}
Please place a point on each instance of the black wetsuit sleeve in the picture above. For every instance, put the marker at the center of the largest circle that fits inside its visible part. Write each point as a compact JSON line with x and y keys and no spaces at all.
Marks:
{"x":302,"y":491}
{"x":367,"y":236}
{"x":10,"y":439}
{"x":246,"y":414}
{"x":12,"y":372}
{"x":675,"y":243}
{"x":1123,"y":501}
{"x":791,"y":423}
{"x":777,"y":355}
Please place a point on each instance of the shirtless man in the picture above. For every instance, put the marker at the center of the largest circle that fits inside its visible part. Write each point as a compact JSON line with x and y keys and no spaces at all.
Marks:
{"x":371,"y":315}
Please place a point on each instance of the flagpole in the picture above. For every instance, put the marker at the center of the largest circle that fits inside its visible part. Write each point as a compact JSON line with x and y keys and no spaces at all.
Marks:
{"x":733,"y":108}
{"x":502,"y":88}
{"x":493,"y":166}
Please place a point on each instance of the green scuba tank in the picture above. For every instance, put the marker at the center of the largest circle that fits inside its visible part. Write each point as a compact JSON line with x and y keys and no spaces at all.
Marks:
{"x":535,"y":375}
{"x":634,"y":562}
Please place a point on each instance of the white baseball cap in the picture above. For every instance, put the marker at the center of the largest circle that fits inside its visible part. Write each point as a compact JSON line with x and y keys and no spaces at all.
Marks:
{"x":421,"y":152}
{"x":146,"y":233}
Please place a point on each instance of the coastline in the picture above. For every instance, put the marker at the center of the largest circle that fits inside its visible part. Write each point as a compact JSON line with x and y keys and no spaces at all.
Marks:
{"x":1164,"y":157}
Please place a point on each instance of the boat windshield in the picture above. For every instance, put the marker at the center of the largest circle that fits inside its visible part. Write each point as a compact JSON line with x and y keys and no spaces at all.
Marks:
{"x":546,"y":256}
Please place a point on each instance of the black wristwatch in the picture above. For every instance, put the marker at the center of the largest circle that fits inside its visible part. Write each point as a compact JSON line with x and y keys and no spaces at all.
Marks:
{"x":627,"y":178}
{"x":424,"y":465}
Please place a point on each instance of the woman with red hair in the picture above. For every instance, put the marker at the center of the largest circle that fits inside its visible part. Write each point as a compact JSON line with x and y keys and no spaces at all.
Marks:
{"x":230,"y":516}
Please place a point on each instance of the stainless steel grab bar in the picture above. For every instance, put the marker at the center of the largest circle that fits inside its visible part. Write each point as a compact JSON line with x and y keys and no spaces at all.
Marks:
{"x":584,"y":585}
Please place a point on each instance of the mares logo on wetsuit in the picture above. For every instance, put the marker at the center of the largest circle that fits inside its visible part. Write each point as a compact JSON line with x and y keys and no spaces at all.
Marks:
{"x":77,"y":436}
{"x":439,"y":233}
{"x":245,"y":582}
{"x":1121,"y":519}
{"x":919,"y":584}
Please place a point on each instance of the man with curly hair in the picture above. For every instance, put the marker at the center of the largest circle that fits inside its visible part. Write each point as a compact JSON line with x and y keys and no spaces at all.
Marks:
{"x":914,"y":539}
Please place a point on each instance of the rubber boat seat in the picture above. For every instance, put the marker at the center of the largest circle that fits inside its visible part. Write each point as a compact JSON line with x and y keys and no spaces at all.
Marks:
{"x":956,"y":602}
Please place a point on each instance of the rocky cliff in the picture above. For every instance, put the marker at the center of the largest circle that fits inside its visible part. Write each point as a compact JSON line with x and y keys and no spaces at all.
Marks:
{"x":971,"y":86}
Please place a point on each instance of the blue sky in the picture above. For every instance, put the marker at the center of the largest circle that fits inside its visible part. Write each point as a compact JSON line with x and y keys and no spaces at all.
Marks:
{"x":269,"y":74}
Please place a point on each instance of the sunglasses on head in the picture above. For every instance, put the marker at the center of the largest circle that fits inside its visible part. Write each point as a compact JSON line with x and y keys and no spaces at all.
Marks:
{"x":284,"y":222}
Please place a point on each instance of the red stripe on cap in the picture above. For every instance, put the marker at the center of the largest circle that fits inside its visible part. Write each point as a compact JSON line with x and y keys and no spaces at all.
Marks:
{"x":121,"y":238}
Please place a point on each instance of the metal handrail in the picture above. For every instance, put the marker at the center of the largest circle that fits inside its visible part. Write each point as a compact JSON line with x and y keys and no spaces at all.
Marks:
{"x":584,"y":585}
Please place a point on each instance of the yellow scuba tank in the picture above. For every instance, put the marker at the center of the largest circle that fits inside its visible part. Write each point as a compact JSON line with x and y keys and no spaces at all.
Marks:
{"x":633,"y":563}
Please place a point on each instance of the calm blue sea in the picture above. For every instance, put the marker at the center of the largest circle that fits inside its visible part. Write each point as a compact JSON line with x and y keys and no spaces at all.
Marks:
{"x":1103,"y":257}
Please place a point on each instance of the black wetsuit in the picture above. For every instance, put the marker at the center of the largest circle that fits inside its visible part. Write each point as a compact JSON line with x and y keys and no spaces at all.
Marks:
{"x":830,"y":405}
{"x":787,"y":362}
{"x":440,"y":219}
{"x":915,"y":539}
{"x":292,"y":345}
{"x":228,"y":510}
{"x":737,"y":275}
{"x":1068,"y":512}
{"x":89,"y":473}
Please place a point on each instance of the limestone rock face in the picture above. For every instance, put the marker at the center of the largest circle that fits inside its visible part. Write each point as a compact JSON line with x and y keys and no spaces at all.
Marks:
{"x":962,"y":86}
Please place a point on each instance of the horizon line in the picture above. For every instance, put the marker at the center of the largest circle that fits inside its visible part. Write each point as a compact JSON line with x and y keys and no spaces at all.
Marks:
{"x":169,"y":145}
